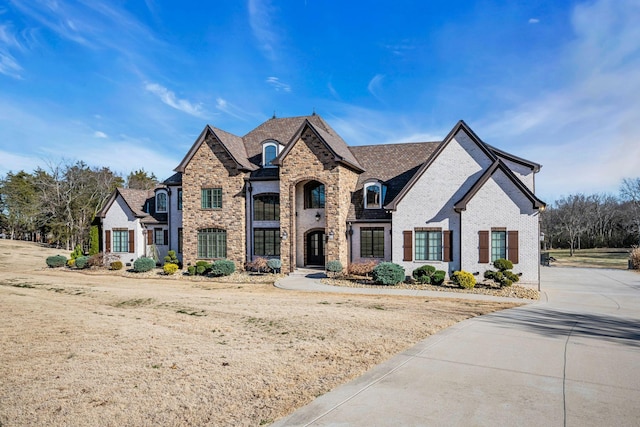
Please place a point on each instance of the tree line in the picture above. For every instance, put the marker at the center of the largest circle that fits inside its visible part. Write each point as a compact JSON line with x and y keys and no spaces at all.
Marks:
{"x":58,"y":204}
{"x":580,"y":221}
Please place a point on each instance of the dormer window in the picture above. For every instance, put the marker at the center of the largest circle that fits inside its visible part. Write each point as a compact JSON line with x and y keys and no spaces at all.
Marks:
{"x":161,"y":202}
{"x":269,"y":152}
{"x":374,"y":193}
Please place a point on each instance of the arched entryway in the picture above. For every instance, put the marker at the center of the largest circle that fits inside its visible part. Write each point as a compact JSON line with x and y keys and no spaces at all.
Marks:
{"x":314,"y":247}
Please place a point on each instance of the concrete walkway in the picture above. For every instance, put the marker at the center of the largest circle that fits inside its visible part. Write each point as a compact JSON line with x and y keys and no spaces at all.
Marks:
{"x":572,"y":359}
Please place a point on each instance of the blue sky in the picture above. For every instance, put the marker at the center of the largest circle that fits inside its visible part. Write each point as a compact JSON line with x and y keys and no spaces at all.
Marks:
{"x":130,"y":84}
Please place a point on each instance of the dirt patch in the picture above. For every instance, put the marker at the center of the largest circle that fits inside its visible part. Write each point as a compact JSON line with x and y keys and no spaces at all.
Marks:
{"x":80,"y":349}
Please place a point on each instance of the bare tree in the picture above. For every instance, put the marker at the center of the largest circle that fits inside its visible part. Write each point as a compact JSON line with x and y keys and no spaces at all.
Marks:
{"x":573,"y":212}
{"x":630,"y":192}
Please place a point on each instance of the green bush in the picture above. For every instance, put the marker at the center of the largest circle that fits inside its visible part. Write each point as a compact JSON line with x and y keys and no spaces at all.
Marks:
{"x":116,"y":265}
{"x":56,"y":261}
{"x":170,"y":268}
{"x":94,"y":240}
{"x":82,"y":262}
{"x":172,"y":258}
{"x":423,"y":271}
{"x":334,"y":266}
{"x":71,"y":262}
{"x":464,"y":279}
{"x":503,"y":264}
{"x":438,"y":277}
{"x":191,"y":270}
{"x":143,"y":264}
{"x":222,"y":267}
{"x":388,"y":273}
{"x":274,"y":264}
{"x":77,"y":252}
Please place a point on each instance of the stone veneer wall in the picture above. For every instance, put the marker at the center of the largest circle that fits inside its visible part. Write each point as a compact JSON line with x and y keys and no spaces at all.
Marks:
{"x":310,"y":159}
{"x":212,"y":167}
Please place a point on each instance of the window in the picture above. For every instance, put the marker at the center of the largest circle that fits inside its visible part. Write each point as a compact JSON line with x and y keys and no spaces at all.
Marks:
{"x":266,"y":241}
{"x":266,"y":207}
{"x":211,"y":198}
{"x":429,"y":245}
{"x":180,"y":240}
{"x":212,"y":243}
{"x":498,"y":245}
{"x":179,"y":199}
{"x":120,"y":240}
{"x":314,"y":195}
{"x":372,"y":242}
{"x":159,"y":236}
{"x":161,"y":202}
{"x":269,"y":152}
{"x":374,"y":195}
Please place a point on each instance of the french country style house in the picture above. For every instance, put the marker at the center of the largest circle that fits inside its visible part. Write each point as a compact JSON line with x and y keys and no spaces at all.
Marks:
{"x":293,"y":189}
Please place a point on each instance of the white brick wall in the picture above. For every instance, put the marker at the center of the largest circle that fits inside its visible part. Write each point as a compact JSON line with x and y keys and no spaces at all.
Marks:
{"x":120,"y":216}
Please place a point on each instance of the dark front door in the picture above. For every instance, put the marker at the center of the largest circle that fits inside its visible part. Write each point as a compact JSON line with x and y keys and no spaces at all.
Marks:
{"x":315,"y":248}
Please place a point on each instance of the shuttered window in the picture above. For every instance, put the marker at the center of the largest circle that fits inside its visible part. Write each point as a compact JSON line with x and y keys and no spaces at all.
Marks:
{"x":498,"y":243}
{"x":120,"y":240}
{"x":407,"y":245}
{"x":429,"y":245}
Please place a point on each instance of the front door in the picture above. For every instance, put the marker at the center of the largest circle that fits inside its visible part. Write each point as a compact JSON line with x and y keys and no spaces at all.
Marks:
{"x":315,"y":248}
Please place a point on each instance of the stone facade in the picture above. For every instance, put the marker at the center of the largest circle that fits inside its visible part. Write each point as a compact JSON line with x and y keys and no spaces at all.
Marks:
{"x":212,"y":167}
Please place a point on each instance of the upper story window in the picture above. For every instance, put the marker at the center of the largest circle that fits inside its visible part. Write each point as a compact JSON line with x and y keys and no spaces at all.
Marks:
{"x":161,"y":202}
{"x":266,"y":207}
{"x":269,"y":152}
{"x":179,"y":199}
{"x":211,"y":198}
{"x":374,"y":193}
{"x":314,"y":195}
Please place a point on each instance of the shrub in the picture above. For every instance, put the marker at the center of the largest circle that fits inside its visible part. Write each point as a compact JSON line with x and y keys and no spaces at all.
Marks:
{"x":424,"y":273}
{"x":634,"y":257}
{"x":388,"y":273}
{"x":56,"y":261}
{"x":96,"y":260}
{"x":334,"y":266}
{"x":362,"y":268}
{"x":191,"y":270}
{"x":77,"y":252}
{"x":116,"y":265}
{"x":438,"y":277}
{"x":170,"y":268}
{"x":502,"y":264}
{"x":464,"y":279}
{"x":172,"y":258}
{"x":274,"y":264}
{"x":143,"y":264}
{"x":71,"y":262}
{"x":259,"y":264}
{"x":202,"y":267}
{"x":511,"y":276}
{"x":82,"y":262}
{"x":222,"y":267}
{"x":94,"y":240}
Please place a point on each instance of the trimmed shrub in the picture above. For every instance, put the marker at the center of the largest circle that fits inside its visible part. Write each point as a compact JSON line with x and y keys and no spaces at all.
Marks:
{"x":259,"y":265}
{"x":94,"y":240}
{"x":222,"y":267}
{"x":202,"y":268}
{"x":362,"y":268}
{"x":172,"y":258}
{"x":170,"y":268}
{"x":56,"y":261}
{"x":191,"y":270}
{"x":334,"y":266}
{"x":464,"y":279}
{"x":71,"y":263}
{"x":77,"y":252}
{"x":274,"y":264}
{"x":388,"y":273}
{"x":502,"y":264}
{"x":82,"y":262}
{"x":144,"y":264}
{"x":116,"y":265}
{"x":424,"y":273}
{"x":438,"y":277}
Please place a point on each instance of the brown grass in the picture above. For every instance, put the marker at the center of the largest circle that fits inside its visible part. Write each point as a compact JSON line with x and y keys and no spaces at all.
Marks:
{"x":108,"y":350}
{"x":592,"y":258}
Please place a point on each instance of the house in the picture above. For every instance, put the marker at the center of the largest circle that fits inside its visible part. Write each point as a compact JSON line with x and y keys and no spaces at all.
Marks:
{"x":292,"y":188}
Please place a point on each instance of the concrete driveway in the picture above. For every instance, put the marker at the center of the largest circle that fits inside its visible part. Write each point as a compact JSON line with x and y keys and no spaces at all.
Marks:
{"x":573,"y":359}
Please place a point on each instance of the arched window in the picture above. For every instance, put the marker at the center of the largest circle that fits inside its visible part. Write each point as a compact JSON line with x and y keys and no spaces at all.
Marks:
{"x":374,"y":193}
{"x":269,"y":152}
{"x":161,"y":202}
{"x":314,"y":195}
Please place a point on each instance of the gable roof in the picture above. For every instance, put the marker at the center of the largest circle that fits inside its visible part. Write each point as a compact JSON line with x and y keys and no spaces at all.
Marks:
{"x":461,"y":125}
{"x":233,"y":144}
{"x":508,"y":156}
{"x":497,"y":165}
{"x":136,"y":201}
{"x":331,"y":140}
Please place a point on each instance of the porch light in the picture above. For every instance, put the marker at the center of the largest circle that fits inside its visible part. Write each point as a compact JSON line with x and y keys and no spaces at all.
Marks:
{"x":331,"y":235}
{"x":317,"y":216}
{"x":284,"y":235}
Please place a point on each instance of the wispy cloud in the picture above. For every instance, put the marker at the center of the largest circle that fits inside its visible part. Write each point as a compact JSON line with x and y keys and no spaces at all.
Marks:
{"x":278,"y":85}
{"x":261,"y":22}
{"x":9,"y":66}
{"x":402,"y":48}
{"x":534,"y":20}
{"x":231,"y":109}
{"x":100,"y":134}
{"x":169,"y":98}
{"x":374,"y":85}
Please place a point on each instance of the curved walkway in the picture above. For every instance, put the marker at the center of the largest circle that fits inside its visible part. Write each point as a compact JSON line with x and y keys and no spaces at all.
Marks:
{"x":570,"y":360}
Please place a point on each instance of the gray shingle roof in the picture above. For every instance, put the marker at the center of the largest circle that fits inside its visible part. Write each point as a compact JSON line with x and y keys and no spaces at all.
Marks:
{"x":137,"y":201}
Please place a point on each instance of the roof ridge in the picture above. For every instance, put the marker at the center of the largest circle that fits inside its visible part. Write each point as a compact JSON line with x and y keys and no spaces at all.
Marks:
{"x":395,"y":143}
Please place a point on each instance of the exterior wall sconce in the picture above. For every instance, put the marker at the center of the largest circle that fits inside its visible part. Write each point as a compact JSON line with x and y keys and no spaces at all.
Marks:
{"x":317,"y":216}
{"x":330,"y":235}
{"x":284,"y":235}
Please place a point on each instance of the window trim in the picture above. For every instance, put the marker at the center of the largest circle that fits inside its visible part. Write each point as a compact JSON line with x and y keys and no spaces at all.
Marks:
{"x":428,"y":254}
{"x":266,"y":145}
{"x":114,"y":246}
{"x":372,"y":252}
{"x":204,"y":232}
{"x":213,"y":191}
{"x":179,"y":196}
{"x":493,"y":249}
{"x":276,"y":241}
{"x":381,"y":194}
{"x":276,"y":207}
{"x":308,"y":190}
{"x":166,"y":204}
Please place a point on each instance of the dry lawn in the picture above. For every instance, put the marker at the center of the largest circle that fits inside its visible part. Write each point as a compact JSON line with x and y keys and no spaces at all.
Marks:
{"x":80,"y":349}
